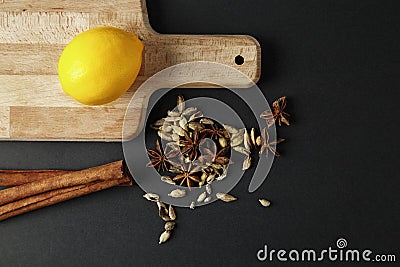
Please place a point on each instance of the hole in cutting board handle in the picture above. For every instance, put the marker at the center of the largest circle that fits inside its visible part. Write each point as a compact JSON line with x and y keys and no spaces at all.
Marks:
{"x":239,"y":60}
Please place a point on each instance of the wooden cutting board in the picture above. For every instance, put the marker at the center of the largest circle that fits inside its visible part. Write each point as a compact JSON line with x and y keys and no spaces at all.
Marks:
{"x":32,"y":37}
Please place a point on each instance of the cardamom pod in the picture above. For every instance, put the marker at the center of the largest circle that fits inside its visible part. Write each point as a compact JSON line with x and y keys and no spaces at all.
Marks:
{"x":202,"y":196}
{"x":164,"y":236}
{"x":225,"y":197}
{"x":177,"y":193}
{"x":151,"y":197}
{"x":264,"y":202}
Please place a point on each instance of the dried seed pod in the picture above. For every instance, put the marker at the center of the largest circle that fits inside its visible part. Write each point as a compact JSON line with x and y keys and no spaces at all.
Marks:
{"x":164,"y":237}
{"x":225,"y":197}
{"x":206,"y":121}
{"x":173,"y":113}
{"x":163,"y":211}
{"x":171,"y":212}
{"x":203,"y":176}
{"x":167,"y":179}
{"x":172,"y":119}
{"x":221,"y":177}
{"x":183,"y":123}
{"x":237,"y":138}
{"x":246,"y":163}
{"x":192,"y":205}
{"x":169,"y":226}
{"x":177,"y":193}
{"x":195,"y":126}
{"x":246,"y":140}
{"x":222,"y":141}
{"x":181,"y":104}
{"x":258,"y":140}
{"x":241,"y":149}
{"x":156,"y":125}
{"x":196,"y":115}
{"x":202,"y":196}
{"x":175,"y":137}
{"x":208,"y":189}
{"x":230,"y":129}
{"x":164,"y":136}
{"x":207,"y":199}
{"x":189,"y":111}
{"x":151,"y":197}
{"x":253,"y":136}
{"x":210,"y":178}
{"x":264,"y":202}
{"x":177,"y":130}
{"x":166,"y":128}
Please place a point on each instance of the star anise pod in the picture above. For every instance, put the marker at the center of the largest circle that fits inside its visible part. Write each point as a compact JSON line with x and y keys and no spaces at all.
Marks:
{"x":281,"y":116}
{"x":214,"y":132}
{"x":159,"y":159}
{"x":221,"y":156}
{"x":188,"y":175}
{"x":268,"y":145}
{"x":190,"y":144}
{"x":277,"y":114}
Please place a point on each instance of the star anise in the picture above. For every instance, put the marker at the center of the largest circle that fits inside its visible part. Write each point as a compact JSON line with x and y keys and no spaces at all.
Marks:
{"x":215,"y":132}
{"x":277,"y":114}
{"x":190,"y":144}
{"x":267,"y":145}
{"x":159,"y":159}
{"x":188,"y":175}
{"x":221,"y":156}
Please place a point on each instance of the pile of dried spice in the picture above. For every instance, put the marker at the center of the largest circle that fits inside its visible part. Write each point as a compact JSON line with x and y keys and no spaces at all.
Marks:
{"x":197,"y":152}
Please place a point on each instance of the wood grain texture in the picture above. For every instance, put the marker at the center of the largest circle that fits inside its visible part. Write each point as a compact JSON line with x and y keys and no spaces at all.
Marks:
{"x":32,"y":37}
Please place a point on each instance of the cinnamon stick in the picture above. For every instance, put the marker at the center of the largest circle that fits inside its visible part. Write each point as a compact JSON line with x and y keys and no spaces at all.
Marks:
{"x":18,"y":177}
{"x":111,"y":171}
{"x":56,"y":196}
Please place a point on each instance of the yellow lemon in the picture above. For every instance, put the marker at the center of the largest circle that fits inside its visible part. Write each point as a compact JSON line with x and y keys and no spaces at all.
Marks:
{"x":99,"y":65}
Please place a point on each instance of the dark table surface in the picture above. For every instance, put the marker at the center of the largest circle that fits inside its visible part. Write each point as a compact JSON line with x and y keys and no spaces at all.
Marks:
{"x":338,"y":63}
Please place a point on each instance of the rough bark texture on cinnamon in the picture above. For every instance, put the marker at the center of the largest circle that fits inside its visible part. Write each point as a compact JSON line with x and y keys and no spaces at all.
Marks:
{"x":40,"y":193}
{"x":54,"y":197}
{"x":18,"y":177}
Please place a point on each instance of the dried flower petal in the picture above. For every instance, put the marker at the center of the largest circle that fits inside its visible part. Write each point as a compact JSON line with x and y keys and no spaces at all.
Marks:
{"x":151,"y":197}
{"x":177,"y":193}
{"x":164,"y":237}
{"x":225,"y":197}
{"x":264,"y":202}
{"x":169,"y":226}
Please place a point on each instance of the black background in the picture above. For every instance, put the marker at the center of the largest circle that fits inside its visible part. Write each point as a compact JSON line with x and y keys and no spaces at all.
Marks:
{"x":338,"y":63}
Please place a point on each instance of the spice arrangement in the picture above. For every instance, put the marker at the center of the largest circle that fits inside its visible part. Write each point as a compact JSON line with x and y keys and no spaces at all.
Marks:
{"x":31,"y":190}
{"x":197,"y":151}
